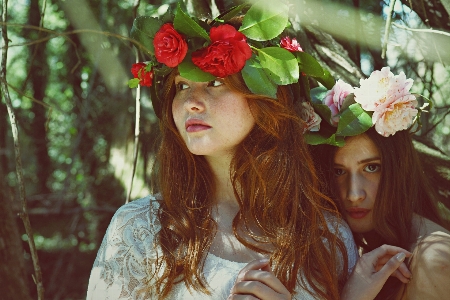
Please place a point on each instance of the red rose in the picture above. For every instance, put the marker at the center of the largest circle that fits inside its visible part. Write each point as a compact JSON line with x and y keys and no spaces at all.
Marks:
{"x":145,"y":77}
{"x":291,"y":45}
{"x":170,"y":46}
{"x":226,"y":54}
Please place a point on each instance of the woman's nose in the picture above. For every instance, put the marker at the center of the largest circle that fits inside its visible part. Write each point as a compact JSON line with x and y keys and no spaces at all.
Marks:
{"x":195,"y":100}
{"x":356,"y":191}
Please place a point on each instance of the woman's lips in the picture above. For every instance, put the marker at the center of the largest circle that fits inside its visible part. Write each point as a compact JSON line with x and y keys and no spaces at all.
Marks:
{"x":357,"y":213}
{"x":196,"y":125}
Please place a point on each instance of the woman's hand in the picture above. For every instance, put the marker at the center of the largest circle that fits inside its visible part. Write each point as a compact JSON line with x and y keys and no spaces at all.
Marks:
{"x":373,"y":269}
{"x":257,"y":281}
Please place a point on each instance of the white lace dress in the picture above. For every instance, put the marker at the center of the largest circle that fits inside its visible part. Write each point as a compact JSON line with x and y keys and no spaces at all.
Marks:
{"x":120,"y":269}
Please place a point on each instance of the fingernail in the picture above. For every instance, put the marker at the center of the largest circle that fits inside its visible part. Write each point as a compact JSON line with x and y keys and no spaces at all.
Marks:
{"x":264,"y":260}
{"x":401,"y":256}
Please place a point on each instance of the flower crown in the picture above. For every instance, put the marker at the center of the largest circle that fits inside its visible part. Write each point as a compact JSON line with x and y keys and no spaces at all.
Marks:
{"x":262,"y":51}
{"x":382,"y":100}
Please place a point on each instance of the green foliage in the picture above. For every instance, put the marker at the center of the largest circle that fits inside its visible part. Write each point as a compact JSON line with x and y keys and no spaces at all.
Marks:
{"x":257,"y":79}
{"x":264,"y":21}
{"x":184,"y":24}
{"x":280,"y":65}
{"x":143,"y":30}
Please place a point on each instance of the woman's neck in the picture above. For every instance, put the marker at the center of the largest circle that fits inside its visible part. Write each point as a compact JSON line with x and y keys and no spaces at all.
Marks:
{"x":224,"y":192}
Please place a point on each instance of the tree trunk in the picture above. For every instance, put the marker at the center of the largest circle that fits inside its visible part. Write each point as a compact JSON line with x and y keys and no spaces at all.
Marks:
{"x":12,"y":273}
{"x":39,"y":73}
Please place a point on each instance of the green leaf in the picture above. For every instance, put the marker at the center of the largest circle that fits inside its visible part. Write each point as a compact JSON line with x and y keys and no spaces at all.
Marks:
{"x":309,"y":65}
{"x":323,"y":111}
{"x":256,"y":79}
{"x":143,"y":31}
{"x":279,"y":64}
{"x":190,"y":71}
{"x":317,"y":94}
{"x":327,"y":80}
{"x":231,"y":13}
{"x":316,"y":138}
{"x":264,"y":21}
{"x":133,"y":83}
{"x":186,"y":25}
{"x":349,"y":100}
{"x":353,"y":121}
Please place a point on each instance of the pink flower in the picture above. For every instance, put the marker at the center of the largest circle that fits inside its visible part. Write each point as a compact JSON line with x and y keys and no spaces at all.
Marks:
{"x":291,"y":45}
{"x":399,"y":115}
{"x":335,"y":97}
{"x":170,"y":46}
{"x":388,"y":96}
{"x":311,"y":118}
{"x":227,"y":53}
{"x":145,"y":77}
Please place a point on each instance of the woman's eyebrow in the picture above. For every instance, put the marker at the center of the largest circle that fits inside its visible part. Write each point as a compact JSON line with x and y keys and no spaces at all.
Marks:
{"x":369,"y":159}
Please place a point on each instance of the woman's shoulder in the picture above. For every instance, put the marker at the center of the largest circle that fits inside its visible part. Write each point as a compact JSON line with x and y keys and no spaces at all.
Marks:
{"x":337,"y":225}
{"x":430,"y":263}
{"x":143,"y":209}
{"x":433,"y":244}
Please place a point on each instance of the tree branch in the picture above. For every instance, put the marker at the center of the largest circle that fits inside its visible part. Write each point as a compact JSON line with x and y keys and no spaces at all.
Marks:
{"x":386,"y":28}
{"x":24,"y":215}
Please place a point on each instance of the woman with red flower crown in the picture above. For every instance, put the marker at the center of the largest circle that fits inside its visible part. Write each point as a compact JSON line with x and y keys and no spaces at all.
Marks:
{"x":238,"y":213}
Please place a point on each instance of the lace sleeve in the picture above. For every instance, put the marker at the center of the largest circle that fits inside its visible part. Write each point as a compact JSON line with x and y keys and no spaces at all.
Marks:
{"x":120,"y":270}
{"x":352,"y":251}
{"x":340,"y":227}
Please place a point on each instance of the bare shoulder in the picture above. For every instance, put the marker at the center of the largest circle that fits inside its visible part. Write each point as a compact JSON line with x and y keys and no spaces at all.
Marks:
{"x":430,"y":264}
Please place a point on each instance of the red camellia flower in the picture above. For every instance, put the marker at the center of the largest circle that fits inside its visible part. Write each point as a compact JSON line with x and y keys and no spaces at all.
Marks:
{"x":170,"y":46}
{"x":145,"y":77}
{"x":291,"y":45}
{"x":226,"y":54}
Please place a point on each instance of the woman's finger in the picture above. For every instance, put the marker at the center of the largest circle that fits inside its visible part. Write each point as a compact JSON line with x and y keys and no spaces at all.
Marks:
{"x":405,"y":271}
{"x":256,"y":279}
{"x":241,"y":297}
{"x":388,"y":250}
{"x":255,"y":288}
{"x":390,"y":267}
{"x":400,"y":276}
{"x":267,"y":278}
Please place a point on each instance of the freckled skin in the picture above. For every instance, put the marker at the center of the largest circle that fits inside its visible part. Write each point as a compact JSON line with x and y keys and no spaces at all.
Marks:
{"x":226,"y":112}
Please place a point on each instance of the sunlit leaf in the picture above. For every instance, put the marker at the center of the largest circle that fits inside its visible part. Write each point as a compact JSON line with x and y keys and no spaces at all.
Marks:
{"x":256,"y":79}
{"x":186,"y":25}
{"x":144,"y":30}
{"x":190,"y":71}
{"x":353,"y":121}
{"x":264,"y":21}
{"x":280,"y":65}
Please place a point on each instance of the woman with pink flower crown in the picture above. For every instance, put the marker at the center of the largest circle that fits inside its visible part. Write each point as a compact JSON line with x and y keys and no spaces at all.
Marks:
{"x":237,"y":212}
{"x":378,"y":182}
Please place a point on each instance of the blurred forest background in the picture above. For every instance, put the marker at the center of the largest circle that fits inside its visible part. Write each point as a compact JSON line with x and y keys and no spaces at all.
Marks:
{"x":68,"y":63}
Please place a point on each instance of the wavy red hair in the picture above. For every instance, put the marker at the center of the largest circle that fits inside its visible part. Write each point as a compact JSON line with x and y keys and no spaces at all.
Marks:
{"x":276,"y":186}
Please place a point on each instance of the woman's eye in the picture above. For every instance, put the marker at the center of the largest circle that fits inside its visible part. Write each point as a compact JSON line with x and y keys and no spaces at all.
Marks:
{"x":215,"y":83}
{"x":372,"y":168}
{"x":338,"y":172}
{"x":181,"y":86}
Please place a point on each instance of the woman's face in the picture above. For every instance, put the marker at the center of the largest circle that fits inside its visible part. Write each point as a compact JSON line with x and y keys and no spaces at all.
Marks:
{"x":211,"y":118}
{"x":357,"y":172}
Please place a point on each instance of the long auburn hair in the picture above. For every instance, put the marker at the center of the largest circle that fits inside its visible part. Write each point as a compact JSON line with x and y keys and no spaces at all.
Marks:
{"x":277,"y":188}
{"x":404,"y":189}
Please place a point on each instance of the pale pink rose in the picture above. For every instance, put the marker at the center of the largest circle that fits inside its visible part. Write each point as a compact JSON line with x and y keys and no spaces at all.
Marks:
{"x":335,"y":97}
{"x":388,"y":96}
{"x":311,"y":118}
{"x":399,"y":115}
